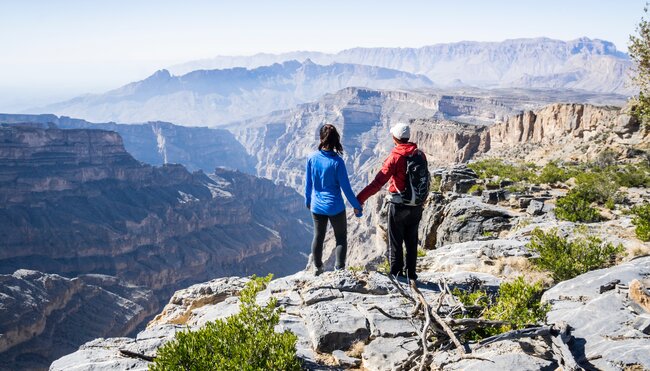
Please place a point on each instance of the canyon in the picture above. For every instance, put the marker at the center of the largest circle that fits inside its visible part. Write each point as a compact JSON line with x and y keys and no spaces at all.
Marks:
{"x":74,"y":203}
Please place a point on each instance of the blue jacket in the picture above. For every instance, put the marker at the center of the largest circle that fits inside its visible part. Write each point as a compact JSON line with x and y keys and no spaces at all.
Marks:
{"x":327,"y":176}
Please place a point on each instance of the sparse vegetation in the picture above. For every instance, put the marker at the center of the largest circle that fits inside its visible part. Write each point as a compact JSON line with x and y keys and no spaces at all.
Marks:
{"x":490,"y":168}
{"x":517,"y":303}
{"x":574,"y":208}
{"x":244,"y":341}
{"x":516,"y":188}
{"x":552,"y":173}
{"x":435,"y":184}
{"x":478,"y":188}
{"x":566,"y":258}
{"x":384,"y":267}
{"x":642,"y":221}
{"x":422,"y":253}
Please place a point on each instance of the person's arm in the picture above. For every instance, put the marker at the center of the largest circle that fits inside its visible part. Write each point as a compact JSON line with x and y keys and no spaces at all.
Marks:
{"x":308,"y":184}
{"x":344,"y":182}
{"x":382,"y":177}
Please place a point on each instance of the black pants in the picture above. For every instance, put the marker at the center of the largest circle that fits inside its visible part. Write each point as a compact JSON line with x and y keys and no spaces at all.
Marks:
{"x":340,"y":225}
{"x":403,"y":224}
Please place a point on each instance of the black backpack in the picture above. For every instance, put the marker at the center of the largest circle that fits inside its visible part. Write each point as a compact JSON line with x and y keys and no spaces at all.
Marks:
{"x":417,"y":180}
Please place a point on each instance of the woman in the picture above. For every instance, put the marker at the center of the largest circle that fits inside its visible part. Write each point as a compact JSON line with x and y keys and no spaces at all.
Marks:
{"x":326,"y":177}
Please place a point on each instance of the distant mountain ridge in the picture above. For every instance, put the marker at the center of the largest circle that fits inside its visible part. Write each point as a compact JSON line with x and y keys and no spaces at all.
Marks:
{"x":216,"y":97}
{"x":584,"y":63}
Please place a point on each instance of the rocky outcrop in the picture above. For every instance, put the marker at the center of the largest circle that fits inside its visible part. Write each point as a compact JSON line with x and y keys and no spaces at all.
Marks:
{"x":44,"y":316}
{"x":610,"y":331}
{"x":566,"y":132}
{"x":358,"y":317}
{"x":467,"y":219}
{"x":158,"y":143}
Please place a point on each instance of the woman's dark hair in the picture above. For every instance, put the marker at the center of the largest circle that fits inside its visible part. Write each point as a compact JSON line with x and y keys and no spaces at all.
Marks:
{"x":330,"y":139}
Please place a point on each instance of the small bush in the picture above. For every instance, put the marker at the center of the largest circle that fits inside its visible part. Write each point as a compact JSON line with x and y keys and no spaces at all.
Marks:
{"x":244,"y":341}
{"x":567,"y":259}
{"x":516,"y":188}
{"x":574,"y":208}
{"x":422,"y":253}
{"x":517,"y":303}
{"x":435,"y":184}
{"x":384,"y":267}
{"x":642,"y":221}
{"x":632,"y":175}
{"x":496,"y":167}
{"x":476,"y":188}
{"x":552,"y":173}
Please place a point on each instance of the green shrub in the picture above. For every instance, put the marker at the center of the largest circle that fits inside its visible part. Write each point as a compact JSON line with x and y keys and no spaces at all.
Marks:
{"x":384,"y":267}
{"x":422,"y":253}
{"x":244,"y":341}
{"x":516,"y":188}
{"x":496,"y":167}
{"x":631,"y":175}
{"x":552,"y":173}
{"x":567,"y":259}
{"x":476,"y":188}
{"x":574,"y":208}
{"x":642,"y":221}
{"x":598,"y":187}
{"x":435,"y":184}
{"x":517,"y":303}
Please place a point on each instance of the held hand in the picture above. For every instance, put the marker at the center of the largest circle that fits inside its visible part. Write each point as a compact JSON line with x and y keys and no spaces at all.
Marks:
{"x":358,"y":213}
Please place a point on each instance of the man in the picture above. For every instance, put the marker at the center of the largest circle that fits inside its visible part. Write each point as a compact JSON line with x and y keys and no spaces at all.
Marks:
{"x":403,"y":220}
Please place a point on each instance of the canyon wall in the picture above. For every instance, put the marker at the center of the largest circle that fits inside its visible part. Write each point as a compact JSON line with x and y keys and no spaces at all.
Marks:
{"x":74,"y":203}
{"x":157,"y":143}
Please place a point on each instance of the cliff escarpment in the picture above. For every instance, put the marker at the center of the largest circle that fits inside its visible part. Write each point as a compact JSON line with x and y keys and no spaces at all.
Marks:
{"x":74,"y":202}
{"x":44,"y":316}
{"x":158,"y":143}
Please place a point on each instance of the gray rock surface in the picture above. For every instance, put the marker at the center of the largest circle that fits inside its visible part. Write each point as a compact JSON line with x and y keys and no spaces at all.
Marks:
{"x":535,"y":208}
{"x":467,"y":219}
{"x":385,"y":354}
{"x":458,"y":179}
{"x":603,"y":325}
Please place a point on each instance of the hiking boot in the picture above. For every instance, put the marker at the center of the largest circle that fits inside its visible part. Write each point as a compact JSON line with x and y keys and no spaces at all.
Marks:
{"x":318,"y":271}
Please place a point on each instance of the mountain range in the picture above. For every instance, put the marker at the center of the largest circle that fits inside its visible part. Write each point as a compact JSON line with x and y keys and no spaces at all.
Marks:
{"x":227,"y":89}
{"x":584,"y":63}
{"x":215,"y":97}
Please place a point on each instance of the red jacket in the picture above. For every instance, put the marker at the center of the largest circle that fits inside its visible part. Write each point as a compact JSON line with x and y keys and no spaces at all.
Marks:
{"x":394,"y":169}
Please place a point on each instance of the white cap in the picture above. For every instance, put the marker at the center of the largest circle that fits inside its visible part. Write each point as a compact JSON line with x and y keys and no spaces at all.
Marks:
{"x":401,"y":131}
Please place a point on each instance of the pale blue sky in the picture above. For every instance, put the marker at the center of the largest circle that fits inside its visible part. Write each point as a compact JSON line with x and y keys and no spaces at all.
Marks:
{"x":56,"y":49}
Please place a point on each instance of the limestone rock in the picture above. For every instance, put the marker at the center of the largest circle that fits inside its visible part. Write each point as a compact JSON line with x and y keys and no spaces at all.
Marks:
{"x":467,"y":219}
{"x":385,"y":354}
{"x":493,"y":197}
{"x":458,"y":179}
{"x":335,"y":326}
{"x":605,"y":336}
{"x":535,"y":208}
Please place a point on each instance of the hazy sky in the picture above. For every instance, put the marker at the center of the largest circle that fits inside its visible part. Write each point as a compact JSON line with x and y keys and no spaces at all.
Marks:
{"x":56,"y":49}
